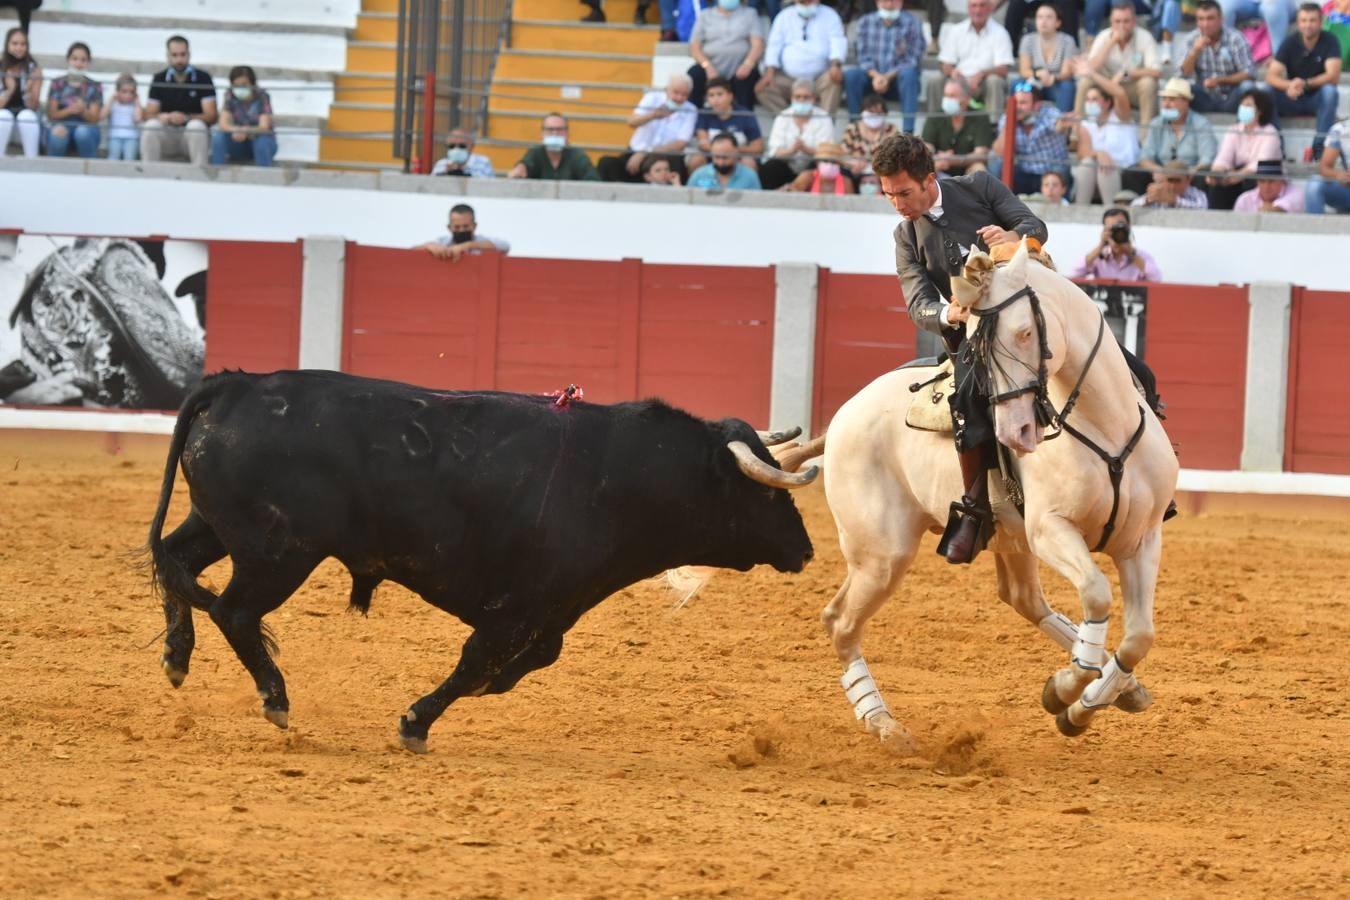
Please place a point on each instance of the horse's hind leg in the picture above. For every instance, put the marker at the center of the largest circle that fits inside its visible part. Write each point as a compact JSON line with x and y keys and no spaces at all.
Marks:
{"x":875,"y":571}
{"x":194,"y":546}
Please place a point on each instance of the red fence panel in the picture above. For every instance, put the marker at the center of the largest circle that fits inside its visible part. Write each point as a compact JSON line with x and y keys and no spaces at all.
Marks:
{"x":1317,"y":427}
{"x":862,"y":330}
{"x":1197,"y":346}
{"x":705,"y":339}
{"x":253,"y":305}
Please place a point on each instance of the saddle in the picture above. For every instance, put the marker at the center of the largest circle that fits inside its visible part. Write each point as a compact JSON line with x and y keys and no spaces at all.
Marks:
{"x":928,"y":408}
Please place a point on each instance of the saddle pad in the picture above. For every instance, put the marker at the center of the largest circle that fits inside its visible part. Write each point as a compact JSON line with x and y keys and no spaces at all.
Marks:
{"x":929,"y":409}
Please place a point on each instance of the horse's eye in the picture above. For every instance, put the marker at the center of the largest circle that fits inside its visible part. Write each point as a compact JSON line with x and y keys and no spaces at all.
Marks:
{"x":1024,"y":336}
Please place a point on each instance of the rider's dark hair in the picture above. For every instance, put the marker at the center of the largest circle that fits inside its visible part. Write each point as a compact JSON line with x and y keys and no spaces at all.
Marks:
{"x":903,"y":152}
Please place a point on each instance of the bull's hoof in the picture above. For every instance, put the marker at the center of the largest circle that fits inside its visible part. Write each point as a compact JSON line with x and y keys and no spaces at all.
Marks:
{"x":176,"y":675}
{"x":1050,"y":701}
{"x":1135,"y":701}
{"x":1066,"y":726}
{"x":278,"y":717}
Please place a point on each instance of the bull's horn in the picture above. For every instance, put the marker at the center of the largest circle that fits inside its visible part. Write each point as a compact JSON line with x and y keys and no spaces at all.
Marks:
{"x":757,"y":469}
{"x":778,"y":437}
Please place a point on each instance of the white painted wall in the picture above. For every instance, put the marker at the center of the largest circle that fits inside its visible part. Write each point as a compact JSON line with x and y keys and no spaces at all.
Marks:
{"x":335,"y":13}
{"x":725,"y":233}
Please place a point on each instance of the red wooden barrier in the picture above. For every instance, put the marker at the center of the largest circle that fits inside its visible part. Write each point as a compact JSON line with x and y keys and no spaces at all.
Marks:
{"x":862,"y":330}
{"x":1196,"y":344}
{"x":253,"y":306}
{"x":1317,"y":429}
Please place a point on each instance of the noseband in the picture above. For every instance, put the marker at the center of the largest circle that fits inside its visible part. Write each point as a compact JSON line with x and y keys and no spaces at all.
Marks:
{"x":982,"y":357}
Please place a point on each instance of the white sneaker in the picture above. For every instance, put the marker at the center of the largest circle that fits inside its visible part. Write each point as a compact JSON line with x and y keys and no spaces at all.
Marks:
{"x":1165,"y":53}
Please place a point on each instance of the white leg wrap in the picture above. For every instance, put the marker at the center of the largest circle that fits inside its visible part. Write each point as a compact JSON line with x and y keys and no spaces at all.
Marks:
{"x":1089,"y":651}
{"x":1059,"y":629}
{"x":1105,"y":690}
{"x":862,"y":691}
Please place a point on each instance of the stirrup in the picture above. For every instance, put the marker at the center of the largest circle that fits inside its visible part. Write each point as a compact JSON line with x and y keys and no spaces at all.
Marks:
{"x":960,"y":511}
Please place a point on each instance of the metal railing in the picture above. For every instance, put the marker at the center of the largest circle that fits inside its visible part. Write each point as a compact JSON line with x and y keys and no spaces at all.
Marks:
{"x":447,"y":50}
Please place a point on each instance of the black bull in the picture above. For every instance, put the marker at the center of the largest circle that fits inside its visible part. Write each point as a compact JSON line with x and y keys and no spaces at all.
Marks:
{"x":509,"y":511}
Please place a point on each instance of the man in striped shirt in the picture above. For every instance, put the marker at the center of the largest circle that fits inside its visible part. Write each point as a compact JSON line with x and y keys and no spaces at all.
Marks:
{"x":889,"y":46}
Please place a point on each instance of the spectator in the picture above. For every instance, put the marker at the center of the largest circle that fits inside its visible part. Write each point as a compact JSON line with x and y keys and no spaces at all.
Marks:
{"x":1045,"y":57}
{"x":1171,"y":188}
{"x":861,"y":137}
{"x":1116,"y":258}
{"x":1178,"y":133}
{"x":656,"y":170}
{"x":827,"y":176}
{"x":977,"y":53}
{"x":74,"y":107}
{"x":662,"y":122}
{"x":463,"y":237}
{"x":245,"y":129}
{"x":180,"y":110}
{"x":1331,"y":186}
{"x":725,"y":171}
{"x":1124,"y":63}
{"x":958,"y":141}
{"x":797,"y":132}
{"x":727,"y":42}
{"x":552,"y":159}
{"x":869,"y":185}
{"x":1217,"y":60}
{"x":1014,"y":20}
{"x":1243,"y":147}
{"x":19,"y":93}
{"x":737,"y":122}
{"x":460,"y":160}
{"x":1273,"y":192}
{"x":25,"y":10}
{"x":889,"y":47}
{"x":1054,"y":188}
{"x":1107,"y":146}
{"x":1039,"y":142}
{"x":124,"y":119}
{"x":817,"y":56}
{"x":1303,"y":75}
{"x":1276,"y":13}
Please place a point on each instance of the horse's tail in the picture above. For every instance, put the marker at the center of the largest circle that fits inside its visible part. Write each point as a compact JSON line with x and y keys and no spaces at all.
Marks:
{"x":793,"y":456}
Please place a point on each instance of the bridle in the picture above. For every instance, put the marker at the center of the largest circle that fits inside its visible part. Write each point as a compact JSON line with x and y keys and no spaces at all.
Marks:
{"x":982,"y":356}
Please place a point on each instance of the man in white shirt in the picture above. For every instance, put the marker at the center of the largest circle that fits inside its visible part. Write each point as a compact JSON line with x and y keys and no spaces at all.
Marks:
{"x":662,"y":122}
{"x":806,"y":42}
{"x":976,"y":52}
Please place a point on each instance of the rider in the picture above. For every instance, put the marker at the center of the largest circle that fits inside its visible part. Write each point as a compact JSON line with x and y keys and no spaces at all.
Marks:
{"x":943,"y":221}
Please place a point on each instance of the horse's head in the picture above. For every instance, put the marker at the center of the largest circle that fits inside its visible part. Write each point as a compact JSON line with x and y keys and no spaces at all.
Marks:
{"x":1009,"y":343}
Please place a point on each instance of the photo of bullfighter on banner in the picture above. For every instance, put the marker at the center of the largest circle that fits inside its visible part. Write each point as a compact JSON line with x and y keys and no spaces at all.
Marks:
{"x":101,"y":322}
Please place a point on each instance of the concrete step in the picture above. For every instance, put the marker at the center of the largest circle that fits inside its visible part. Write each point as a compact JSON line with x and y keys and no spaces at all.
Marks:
{"x":335,"y":148}
{"x":582,"y":129}
{"x":381,"y":27}
{"x":365,"y":87}
{"x":379,"y":6}
{"x":583,"y":38}
{"x":558,"y":66}
{"x":372,"y":56}
{"x":363,"y":117}
{"x":617,"y":11}
{"x":568,"y":98}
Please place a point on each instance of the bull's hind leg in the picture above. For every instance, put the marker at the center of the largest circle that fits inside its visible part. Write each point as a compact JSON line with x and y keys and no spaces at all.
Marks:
{"x":255,"y":589}
{"x":193,"y":546}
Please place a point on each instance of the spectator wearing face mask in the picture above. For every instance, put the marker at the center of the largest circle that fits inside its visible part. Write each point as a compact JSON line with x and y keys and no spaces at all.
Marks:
{"x":797,"y":132}
{"x":978,"y":53}
{"x":663,"y":123}
{"x":958,"y":140}
{"x":869,"y":185}
{"x":552,"y":159}
{"x":827,"y":175}
{"x":862,"y":137}
{"x":74,"y":106}
{"x":459,"y":158}
{"x":724,"y":117}
{"x":806,"y":43}
{"x":180,"y":110}
{"x":245,"y":129}
{"x":1107,"y":146}
{"x":1243,"y":147}
{"x":1178,"y":133}
{"x":727,"y":42}
{"x":889,"y":45}
{"x":464,"y":237}
{"x":725,"y":171}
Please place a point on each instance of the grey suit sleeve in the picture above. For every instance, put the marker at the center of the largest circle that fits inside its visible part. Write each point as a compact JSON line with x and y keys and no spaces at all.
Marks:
{"x":923,"y":300}
{"x":1011,"y":213}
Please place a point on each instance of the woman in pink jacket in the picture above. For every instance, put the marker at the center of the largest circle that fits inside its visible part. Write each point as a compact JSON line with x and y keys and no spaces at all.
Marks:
{"x":1245,"y":144}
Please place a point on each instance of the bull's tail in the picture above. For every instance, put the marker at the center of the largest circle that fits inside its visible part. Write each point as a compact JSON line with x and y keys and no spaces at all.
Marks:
{"x":169,"y":577}
{"x":791,"y":457}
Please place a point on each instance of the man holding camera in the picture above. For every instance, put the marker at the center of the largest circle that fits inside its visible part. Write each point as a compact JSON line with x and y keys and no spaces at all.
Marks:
{"x":1116,"y":258}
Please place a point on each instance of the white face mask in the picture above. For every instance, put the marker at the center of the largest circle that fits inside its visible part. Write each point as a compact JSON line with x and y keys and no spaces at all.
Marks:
{"x":806,"y":10}
{"x":874,"y":121}
{"x":1092,"y":109}
{"x":457,"y":156}
{"x":801,"y":107}
{"x":868,"y":188}
{"x":242,"y":93}
{"x":951,"y":106}
{"x":888,"y":15}
{"x":555,"y":142}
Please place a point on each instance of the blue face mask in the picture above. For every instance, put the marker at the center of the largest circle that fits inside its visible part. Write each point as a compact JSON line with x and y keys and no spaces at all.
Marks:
{"x":1170,"y":114}
{"x":806,"y":10}
{"x":888,"y":15}
{"x":554,"y":142}
{"x":729,"y":5}
{"x":868,"y":188}
{"x":457,"y":156}
{"x":801,"y":109}
{"x":1246,"y":114}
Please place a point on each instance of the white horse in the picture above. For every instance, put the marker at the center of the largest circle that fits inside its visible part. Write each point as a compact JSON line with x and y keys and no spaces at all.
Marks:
{"x":887,"y":483}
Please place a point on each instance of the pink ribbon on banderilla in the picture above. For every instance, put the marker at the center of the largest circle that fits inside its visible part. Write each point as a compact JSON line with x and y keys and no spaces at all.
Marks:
{"x":565,"y":396}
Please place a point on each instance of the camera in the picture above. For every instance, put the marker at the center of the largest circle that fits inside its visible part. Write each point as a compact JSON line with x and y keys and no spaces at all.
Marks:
{"x":1120,"y":233}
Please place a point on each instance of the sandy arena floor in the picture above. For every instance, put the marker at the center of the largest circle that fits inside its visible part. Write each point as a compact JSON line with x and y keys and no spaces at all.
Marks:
{"x":704,"y":752}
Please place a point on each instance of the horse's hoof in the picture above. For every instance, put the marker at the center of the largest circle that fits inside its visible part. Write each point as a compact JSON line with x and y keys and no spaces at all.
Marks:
{"x":1134,"y":701}
{"x":415,"y":744}
{"x":1050,"y":701}
{"x":278,"y":717}
{"x":894,"y":737}
{"x":176,"y":675}
{"x":1066,"y":726}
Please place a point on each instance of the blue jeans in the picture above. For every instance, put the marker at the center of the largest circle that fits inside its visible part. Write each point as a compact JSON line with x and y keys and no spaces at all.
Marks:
{"x":60,"y":134}
{"x":1321,"y":103}
{"x":1276,"y":13}
{"x":1168,"y":19}
{"x":1025,"y":182}
{"x":904,"y":88}
{"x":1207,"y":102}
{"x":124,"y":148}
{"x":1062,"y":94}
{"x":1321,"y":194}
{"x":260,"y":148}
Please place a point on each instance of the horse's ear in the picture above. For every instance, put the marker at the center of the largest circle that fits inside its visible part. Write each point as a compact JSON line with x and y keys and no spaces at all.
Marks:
{"x":1017,"y":266}
{"x":973,"y":282}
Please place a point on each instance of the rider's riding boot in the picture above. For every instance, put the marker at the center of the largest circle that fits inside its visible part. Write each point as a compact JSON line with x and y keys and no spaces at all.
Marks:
{"x":975,"y":513}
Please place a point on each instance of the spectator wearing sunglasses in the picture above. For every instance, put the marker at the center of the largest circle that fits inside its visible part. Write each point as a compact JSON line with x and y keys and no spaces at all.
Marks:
{"x":460,"y":159}
{"x":1172,"y":189}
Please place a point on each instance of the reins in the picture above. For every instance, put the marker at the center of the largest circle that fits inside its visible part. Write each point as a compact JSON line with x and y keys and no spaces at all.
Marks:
{"x":981,"y":349}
